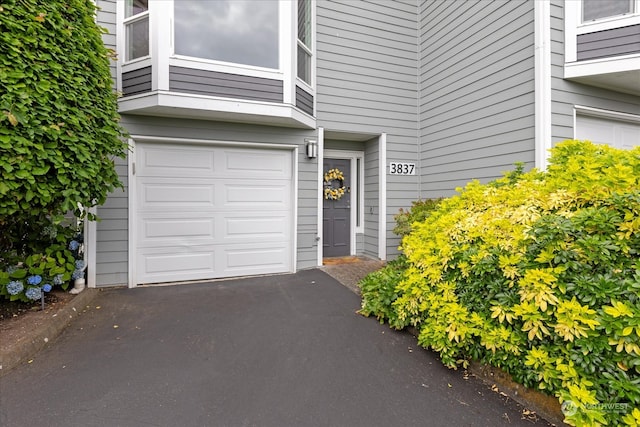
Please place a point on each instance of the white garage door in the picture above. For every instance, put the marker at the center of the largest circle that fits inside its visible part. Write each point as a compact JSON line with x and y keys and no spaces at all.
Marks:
{"x":616,"y":133}
{"x":210,"y":212}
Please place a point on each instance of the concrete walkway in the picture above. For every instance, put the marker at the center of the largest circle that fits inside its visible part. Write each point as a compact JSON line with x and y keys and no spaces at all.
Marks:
{"x":282,"y":350}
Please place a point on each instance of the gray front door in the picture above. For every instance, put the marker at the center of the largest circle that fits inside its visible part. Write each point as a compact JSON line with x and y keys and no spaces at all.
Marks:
{"x":337,"y":210}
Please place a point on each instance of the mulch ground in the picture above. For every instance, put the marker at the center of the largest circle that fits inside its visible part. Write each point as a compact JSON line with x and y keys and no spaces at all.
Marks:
{"x":19,"y":319}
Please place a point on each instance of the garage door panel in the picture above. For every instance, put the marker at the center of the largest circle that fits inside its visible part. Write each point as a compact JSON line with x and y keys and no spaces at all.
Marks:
{"x":176,"y":229}
{"x":600,"y":130}
{"x":258,"y":163}
{"x":205,"y":222}
{"x":265,"y":195}
{"x":201,"y":262}
{"x":256,"y":259}
{"x":177,"y":267}
{"x":257,"y":227}
{"x":183,"y":195}
{"x":166,"y":161}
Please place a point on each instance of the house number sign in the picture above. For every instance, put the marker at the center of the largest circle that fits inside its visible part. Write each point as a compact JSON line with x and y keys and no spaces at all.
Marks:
{"x":398,"y":168}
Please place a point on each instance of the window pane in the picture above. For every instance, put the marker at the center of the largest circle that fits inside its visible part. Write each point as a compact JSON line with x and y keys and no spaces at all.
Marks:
{"x":137,"y":39}
{"x":304,"y":65}
{"x":238,"y":31}
{"x":134,"y":7}
{"x":598,"y":9}
{"x":304,"y":22}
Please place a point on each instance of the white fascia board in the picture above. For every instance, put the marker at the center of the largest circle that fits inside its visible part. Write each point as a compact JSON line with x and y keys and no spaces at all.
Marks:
{"x":197,"y":106}
{"x":602,"y":66}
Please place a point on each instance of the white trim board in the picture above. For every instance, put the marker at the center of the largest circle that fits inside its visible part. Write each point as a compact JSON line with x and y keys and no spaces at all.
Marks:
{"x":320,"y":198}
{"x":382,"y":197}
{"x":542,"y":12}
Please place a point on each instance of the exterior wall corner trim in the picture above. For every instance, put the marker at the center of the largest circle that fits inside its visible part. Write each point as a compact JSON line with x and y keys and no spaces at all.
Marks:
{"x":542,"y":12}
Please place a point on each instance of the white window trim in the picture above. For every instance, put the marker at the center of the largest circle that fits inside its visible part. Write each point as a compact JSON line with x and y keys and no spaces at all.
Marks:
{"x":224,"y":67}
{"x":309,"y":49}
{"x":574,"y":25}
{"x":130,"y":20}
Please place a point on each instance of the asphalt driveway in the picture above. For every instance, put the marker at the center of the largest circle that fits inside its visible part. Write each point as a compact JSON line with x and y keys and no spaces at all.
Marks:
{"x":284,"y":350}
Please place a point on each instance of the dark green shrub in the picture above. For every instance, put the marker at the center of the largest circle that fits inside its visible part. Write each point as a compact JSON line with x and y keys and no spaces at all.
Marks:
{"x":378,"y":291}
{"x":419,"y":211}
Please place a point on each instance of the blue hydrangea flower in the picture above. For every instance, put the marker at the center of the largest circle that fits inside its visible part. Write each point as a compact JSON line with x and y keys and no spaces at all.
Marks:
{"x":34,"y":293}
{"x":77,"y":274}
{"x":12,"y":269}
{"x":15,"y":287}
{"x":46,"y":287}
{"x":74,"y":245}
{"x":57,"y":280}
{"x":34,"y":280}
{"x":79,"y":264}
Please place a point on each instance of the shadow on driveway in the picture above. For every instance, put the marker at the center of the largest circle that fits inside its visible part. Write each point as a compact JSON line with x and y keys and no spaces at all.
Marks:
{"x":285,"y":350}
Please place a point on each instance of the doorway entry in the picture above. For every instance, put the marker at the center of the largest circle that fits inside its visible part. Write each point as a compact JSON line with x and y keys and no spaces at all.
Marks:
{"x":336,"y":208}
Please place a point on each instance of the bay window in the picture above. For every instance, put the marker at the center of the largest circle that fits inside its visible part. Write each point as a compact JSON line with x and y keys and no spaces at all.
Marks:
{"x":136,"y":24}
{"x":218,"y":59}
{"x":304,"y":41}
{"x":235,"y":31}
{"x":593,"y":10}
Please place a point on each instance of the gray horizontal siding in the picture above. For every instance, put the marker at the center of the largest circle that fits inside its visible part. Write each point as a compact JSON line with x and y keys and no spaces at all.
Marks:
{"x":106,"y":18}
{"x":214,"y":83}
{"x":366,"y":83}
{"x":371,"y":205}
{"x":567,"y":94}
{"x":112,"y":245}
{"x":136,"y":81}
{"x":613,"y":42}
{"x":304,"y":100}
{"x":476,"y":91}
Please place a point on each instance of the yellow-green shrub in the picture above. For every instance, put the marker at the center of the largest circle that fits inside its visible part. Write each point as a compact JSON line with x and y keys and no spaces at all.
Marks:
{"x":538,"y":273}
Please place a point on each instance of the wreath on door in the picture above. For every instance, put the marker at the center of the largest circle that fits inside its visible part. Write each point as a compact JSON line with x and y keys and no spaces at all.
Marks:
{"x":334,"y":187}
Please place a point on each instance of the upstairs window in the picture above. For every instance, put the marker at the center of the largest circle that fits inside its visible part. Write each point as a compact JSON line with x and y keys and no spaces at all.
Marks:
{"x":136,"y":24}
{"x":593,"y":10}
{"x":304,"y":41}
{"x":235,"y":31}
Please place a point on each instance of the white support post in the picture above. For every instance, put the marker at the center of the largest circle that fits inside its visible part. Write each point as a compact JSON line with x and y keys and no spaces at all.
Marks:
{"x":320,"y":178}
{"x":382,"y":197}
